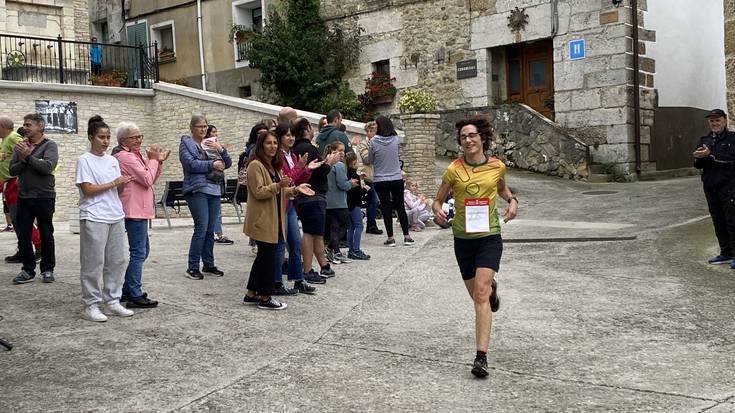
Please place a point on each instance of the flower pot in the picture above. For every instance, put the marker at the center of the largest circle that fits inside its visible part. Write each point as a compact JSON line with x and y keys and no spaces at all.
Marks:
{"x":382,"y":99}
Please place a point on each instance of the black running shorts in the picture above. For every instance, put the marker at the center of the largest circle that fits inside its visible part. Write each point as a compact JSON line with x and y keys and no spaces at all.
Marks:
{"x":477,"y":253}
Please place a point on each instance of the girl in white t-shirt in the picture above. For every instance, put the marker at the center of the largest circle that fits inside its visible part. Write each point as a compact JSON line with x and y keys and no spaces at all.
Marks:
{"x":101,"y":226}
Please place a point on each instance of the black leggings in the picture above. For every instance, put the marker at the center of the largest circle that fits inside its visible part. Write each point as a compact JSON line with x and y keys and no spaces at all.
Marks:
{"x":390,"y":194}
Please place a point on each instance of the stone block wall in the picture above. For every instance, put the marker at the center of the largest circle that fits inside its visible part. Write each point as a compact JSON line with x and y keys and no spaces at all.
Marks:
{"x":113,"y":104}
{"x":523,"y":139}
{"x":417,"y":149}
{"x":730,"y":58}
{"x":46,"y":18}
{"x":423,"y":41}
{"x":162,"y":114}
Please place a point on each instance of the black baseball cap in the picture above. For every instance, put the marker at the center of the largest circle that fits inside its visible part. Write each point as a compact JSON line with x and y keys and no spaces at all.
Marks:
{"x":716,"y":113}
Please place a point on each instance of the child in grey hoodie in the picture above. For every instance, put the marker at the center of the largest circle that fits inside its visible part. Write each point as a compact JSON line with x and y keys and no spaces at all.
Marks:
{"x":337,"y":213}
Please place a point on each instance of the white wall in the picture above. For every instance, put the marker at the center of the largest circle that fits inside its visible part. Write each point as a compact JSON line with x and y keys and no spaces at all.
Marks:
{"x":689,"y":52}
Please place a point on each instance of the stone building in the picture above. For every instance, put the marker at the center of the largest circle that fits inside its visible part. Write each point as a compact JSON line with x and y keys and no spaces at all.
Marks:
{"x":45,"y":18}
{"x":107,"y":20}
{"x":173,"y":24}
{"x":570,"y":60}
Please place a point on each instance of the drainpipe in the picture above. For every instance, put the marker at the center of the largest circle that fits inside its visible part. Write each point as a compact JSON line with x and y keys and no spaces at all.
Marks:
{"x":636,"y":89}
{"x":554,"y":17}
{"x":201,"y":45}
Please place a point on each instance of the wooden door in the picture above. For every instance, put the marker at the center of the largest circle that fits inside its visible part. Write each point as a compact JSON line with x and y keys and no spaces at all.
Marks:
{"x":530,"y":75}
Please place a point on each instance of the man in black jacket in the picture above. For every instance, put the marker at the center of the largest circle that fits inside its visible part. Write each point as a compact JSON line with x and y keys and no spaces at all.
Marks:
{"x":715,"y":156}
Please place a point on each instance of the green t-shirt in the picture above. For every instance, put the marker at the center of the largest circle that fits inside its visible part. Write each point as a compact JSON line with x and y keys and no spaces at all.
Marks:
{"x":7,"y":146}
{"x":474,"y":182}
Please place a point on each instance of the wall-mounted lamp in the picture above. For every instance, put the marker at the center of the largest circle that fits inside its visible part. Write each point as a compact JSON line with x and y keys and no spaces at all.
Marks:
{"x":617,"y":3}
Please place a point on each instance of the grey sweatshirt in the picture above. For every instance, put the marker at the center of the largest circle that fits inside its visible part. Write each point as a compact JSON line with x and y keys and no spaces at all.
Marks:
{"x":35,"y":173}
{"x":383,"y":154}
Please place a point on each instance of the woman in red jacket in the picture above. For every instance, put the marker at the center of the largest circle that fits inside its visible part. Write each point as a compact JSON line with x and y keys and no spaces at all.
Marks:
{"x":299,"y":171}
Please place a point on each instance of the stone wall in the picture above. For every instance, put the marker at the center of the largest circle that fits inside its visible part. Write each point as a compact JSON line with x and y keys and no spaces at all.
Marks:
{"x":523,"y":139}
{"x":416,"y":149}
{"x":45,"y":18}
{"x":423,"y":41}
{"x":730,"y":58}
{"x":114,"y":104}
{"x":162,"y":114}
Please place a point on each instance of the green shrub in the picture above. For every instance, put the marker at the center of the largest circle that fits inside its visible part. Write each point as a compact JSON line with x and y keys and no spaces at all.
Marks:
{"x":417,"y":101}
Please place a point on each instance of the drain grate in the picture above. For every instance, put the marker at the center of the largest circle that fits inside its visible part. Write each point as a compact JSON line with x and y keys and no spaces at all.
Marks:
{"x":599,"y":192}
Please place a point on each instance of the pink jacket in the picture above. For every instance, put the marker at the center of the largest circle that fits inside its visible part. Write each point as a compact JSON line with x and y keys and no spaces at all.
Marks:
{"x":297,"y":174}
{"x":411,"y":201}
{"x":137,"y":195}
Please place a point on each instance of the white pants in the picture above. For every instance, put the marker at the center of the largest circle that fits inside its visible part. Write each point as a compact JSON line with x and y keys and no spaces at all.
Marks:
{"x":102,"y":257}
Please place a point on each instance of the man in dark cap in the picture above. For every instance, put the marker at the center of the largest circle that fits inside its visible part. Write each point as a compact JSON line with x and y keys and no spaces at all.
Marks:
{"x":715,"y":156}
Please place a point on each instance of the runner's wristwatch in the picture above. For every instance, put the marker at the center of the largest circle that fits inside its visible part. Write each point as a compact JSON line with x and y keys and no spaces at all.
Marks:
{"x":513,"y":198}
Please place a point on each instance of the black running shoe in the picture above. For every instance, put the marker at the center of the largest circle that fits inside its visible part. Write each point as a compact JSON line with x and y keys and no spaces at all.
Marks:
{"x":272,"y":304}
{"x":494,"y":297}
{"x":303,"y":287}
{"x":479,"y":367}
{"x":195,"y":274}
{"x":214,"y":271}
{"x":314,"y":278}
{"x":13,"y":259}
{"x":283,"y":290}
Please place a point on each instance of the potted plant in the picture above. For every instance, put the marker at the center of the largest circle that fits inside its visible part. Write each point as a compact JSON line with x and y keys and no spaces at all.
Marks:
{"x":417,"y":101}
{"x":240,"y":32}
{"x":379,"y":88}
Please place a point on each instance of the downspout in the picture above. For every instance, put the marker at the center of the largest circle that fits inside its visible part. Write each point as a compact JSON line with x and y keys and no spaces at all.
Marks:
{"x":201,"y":45}
{"x":636,"y":88}
{"x":554,"y":17}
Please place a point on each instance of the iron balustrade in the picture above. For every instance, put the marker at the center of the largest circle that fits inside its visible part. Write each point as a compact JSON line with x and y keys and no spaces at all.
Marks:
{"x":242,"y":48}
{"x":37,"y":59}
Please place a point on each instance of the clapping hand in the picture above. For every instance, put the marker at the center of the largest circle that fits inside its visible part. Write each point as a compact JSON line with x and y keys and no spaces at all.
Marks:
{"x":332,"y":158}
{"x":314,"y":164}
{"x":122,"y":180}
{"x":24,"y":149}
{"x":305,"y":189}
{"x":303,"y":159}
{"x":285,"y":182}
{"x":702,"y":152}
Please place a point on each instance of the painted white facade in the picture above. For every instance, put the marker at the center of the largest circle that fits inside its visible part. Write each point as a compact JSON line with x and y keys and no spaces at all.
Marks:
{"x":689,"y":52}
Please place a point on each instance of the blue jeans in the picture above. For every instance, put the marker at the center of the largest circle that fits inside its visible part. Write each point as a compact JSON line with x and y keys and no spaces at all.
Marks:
{"x":139,"y":248}
{"x":372,"y":205}
{"x":354,"y":229}
{"x":205,"y":210}
{"x":293,"y":239}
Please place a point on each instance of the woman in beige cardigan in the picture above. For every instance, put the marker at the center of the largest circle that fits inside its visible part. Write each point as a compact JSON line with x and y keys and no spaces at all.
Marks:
{"x":265,"y":220}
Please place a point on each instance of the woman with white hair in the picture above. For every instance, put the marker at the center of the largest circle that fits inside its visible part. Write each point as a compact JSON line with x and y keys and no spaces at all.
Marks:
{"x":137,"y":201}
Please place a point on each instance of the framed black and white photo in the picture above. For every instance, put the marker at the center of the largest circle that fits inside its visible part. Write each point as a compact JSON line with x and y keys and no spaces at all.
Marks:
{"x":61,"y":117}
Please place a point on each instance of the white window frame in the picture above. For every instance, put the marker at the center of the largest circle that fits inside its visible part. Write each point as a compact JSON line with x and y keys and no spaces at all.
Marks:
{"x":248,"y":5}
{"x":155,"y":36}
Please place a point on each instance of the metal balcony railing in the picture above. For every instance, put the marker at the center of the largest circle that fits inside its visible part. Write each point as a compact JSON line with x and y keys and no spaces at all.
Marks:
{"x":37,"y":59}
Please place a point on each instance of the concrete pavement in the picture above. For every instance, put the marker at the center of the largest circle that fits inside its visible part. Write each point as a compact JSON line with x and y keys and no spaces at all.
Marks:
{"x":637,"y":323}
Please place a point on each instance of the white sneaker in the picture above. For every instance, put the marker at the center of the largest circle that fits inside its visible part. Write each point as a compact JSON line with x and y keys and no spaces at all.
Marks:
{"x":93,"y":313}
{"x":115,"y":308}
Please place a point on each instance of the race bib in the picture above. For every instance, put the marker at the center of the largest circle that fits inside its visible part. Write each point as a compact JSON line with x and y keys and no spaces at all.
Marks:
{"x":477,"y":215}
